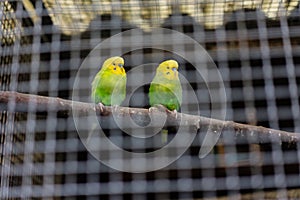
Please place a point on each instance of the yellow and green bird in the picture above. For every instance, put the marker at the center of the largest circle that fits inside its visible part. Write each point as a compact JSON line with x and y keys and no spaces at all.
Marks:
{"x":165,"y":89}
{"x":110,"y":82}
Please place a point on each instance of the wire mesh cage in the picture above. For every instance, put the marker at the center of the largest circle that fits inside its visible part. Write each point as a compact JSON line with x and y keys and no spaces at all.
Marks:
{"x":238,"y":70}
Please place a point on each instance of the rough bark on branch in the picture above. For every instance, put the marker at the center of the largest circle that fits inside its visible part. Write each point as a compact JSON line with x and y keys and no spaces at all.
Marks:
{"x":19,"y":102}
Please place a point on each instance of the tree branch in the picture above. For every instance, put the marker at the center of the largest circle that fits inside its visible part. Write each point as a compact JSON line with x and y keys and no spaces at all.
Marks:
{"x":19,"y":102}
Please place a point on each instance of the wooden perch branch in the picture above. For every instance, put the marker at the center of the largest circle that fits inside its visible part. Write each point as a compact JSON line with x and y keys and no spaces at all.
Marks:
{"x":18,"y":102}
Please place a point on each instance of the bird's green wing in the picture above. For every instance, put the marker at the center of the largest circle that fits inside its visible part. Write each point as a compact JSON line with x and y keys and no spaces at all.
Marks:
{"x":169,"y":95}
{"x":103,"y":86}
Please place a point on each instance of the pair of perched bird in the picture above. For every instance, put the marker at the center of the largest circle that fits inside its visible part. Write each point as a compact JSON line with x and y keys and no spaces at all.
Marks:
{"x":165,"y":89}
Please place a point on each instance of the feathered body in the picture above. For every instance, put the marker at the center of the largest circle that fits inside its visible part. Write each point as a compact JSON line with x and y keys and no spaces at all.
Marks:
{"x":111,"y":79}
{"x":165,"y":88}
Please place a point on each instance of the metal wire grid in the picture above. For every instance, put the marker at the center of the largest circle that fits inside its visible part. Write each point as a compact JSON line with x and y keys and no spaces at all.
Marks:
{"x":42,"y":156}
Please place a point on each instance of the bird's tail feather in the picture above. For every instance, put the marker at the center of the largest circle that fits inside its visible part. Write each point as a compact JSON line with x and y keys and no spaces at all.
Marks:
{"x":164,"y":136}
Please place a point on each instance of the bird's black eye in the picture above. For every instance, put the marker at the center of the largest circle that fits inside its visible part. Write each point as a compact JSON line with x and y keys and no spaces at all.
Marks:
{"x":114,"y":64}
{"x":168,"y":67}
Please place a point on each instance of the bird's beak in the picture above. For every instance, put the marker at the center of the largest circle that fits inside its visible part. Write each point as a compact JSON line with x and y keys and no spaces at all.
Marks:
{"x":175,"y":72}
{"x":121,"y":69}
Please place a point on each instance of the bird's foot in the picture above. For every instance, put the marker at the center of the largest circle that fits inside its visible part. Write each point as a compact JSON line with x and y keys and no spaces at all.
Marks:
{"x":101,"y":106}
{"x":173,"y":113}
{"x":161,"y":108}
{"x":157,"y":108}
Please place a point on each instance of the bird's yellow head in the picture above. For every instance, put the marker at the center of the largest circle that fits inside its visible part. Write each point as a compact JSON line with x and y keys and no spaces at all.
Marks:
{"x":115,"y":65}
{"x":168,"y":69}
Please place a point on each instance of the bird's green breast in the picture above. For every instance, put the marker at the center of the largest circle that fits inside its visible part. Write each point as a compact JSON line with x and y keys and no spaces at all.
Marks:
{"x":109,"y":88}
{"x":167,"y":93}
